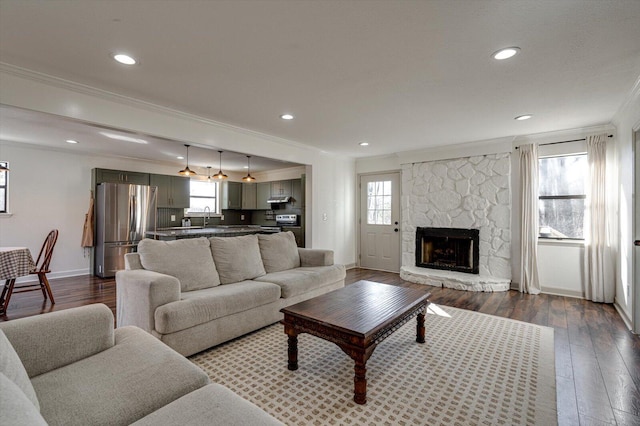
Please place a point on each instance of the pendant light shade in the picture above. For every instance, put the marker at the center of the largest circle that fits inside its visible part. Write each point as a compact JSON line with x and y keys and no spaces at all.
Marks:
{"x":248,"y":177}
{"x":187,"y":171}
{"x":4,"y":167}
{"x":209,"y":173}
{"x":220,"y":175}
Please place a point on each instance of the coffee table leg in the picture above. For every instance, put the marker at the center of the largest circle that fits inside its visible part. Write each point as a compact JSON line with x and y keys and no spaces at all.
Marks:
{"x":420,"y":328}
{"x":293,"y":350}
{"x":360,"y":382}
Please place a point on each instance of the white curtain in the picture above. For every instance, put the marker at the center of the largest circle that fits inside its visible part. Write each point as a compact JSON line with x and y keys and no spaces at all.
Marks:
{"x":599,"y":244}
{"x":529,"y":282}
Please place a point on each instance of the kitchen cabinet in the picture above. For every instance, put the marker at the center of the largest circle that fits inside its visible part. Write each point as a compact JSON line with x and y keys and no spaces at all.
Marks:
{"x":231,"y":196}
{"x":263,"y":194}
{"x":298,"y":233}
{"x":280,"y":188}
{"x":297,"y":193}
{"x":121,"y":176}
{"x":173,"y":191}
{"x":249,"y":196}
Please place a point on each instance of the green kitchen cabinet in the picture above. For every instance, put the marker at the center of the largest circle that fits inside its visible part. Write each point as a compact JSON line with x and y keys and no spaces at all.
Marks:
{"x":173,"y":191}
{"x":297,"y":193}
{"x":281,"y":188}
{"x":249,"y":196}
{"x":231,"y":196}
{"x":263,"y":194}
{"x":121,"y":176}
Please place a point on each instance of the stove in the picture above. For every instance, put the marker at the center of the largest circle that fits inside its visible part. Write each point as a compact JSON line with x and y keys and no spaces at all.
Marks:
{"x":286,"y":219}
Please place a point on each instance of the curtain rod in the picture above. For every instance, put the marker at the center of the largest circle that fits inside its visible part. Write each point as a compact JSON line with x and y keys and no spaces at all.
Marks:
{"x":555,"y":143}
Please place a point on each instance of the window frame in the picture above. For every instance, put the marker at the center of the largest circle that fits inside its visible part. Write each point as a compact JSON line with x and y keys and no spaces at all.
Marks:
{"x":215,"y":210}
{"x":560,"y":197}
{"x":5,"y":186}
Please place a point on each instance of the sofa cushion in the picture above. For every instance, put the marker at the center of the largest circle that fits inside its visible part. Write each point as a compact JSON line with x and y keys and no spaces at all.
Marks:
{"x":211,"y":405}
{"x":13,"y":370}
{"x":201,"y":306}
{"x":15,"y":407}
{"x":189,"y":260}
{"x":279,"y":251}
{"x":301,"y":280}
{"x":237,"y":258}
{"x":118,"y":386}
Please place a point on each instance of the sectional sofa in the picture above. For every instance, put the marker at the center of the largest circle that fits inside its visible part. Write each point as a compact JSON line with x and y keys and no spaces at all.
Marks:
{"x":73,"y":368}
{"x":196,"y":293}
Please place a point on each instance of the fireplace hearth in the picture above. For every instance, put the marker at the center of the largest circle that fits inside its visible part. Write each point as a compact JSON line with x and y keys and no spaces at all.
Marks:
{"x":451,"y":249}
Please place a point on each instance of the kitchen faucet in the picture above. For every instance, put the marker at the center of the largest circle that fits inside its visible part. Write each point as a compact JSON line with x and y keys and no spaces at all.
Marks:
{"x":207,"y":215}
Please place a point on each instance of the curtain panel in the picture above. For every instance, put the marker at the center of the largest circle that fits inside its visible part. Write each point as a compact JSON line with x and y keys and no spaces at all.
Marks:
{"x":529,"y":281}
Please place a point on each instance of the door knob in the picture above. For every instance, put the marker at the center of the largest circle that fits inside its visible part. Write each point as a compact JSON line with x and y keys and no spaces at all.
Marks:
{"x":396,"y":222}
{"x":637,"y":242}
{"x":395,"y":230}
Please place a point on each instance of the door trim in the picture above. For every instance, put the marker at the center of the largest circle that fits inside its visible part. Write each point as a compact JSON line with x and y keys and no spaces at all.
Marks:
{"x":359,"y":210}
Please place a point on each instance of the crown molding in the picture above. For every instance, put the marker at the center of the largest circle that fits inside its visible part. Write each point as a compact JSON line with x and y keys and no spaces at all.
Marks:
{"x":448,"y":152}
{"x":632,"y":97}
{"x":563,"y":135}
{"x":137,"y":103}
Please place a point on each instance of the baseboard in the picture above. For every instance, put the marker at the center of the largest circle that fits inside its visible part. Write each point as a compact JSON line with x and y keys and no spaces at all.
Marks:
{"x":623,"y":315}
{"x":54,"y":275}
{"x":553,"y":291}
{"x":350,"y":266}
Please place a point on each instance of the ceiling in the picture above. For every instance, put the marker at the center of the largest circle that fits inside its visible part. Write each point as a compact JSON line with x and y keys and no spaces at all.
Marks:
{"x":400,"y":75}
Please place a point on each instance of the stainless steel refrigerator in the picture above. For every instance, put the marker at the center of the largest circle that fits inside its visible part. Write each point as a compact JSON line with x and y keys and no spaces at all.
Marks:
{"x":124,"y":213}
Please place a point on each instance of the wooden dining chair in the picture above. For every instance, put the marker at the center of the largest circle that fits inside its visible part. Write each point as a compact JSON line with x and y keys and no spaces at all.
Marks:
{"x":41,"y":270}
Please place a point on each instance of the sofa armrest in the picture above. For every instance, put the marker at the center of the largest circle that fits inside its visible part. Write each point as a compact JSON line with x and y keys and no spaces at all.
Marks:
{"x":53,"y":340}
{"x":132,"y":261}
{"x":139,"y":292}
{"x":315,"y":257}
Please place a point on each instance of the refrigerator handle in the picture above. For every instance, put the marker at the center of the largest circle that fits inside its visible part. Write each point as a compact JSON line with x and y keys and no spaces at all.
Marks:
{"x":132,"y":217}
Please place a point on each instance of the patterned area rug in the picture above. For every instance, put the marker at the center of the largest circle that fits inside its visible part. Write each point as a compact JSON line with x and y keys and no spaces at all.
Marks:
{"x":474,"y":369}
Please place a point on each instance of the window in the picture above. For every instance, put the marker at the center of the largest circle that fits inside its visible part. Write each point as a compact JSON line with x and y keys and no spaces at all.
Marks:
{"x":203,"y":193}
{"x":4,"y":187}
{"x":379,"y":203}
{"x":562,"y":195}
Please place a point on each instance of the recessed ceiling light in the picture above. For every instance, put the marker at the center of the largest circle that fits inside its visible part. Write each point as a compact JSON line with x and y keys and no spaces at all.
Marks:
{"x":124,"y":59}
{"x":180,"y":157}
{"x":364,"y":144}
{"x":286,"y":117}
{"x":71,"y":141}
{"x":506,"y":53}
{"x":523,"y":117}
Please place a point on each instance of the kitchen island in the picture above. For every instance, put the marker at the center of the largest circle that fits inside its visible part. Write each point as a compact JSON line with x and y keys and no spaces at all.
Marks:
{"x":195,"y":232}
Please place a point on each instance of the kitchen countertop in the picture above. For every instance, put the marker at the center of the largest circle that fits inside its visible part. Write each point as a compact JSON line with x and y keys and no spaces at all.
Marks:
{"x":194,"y":232}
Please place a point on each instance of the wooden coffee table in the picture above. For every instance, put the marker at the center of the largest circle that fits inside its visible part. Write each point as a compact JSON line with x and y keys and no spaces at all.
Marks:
{"x":356,"y":318}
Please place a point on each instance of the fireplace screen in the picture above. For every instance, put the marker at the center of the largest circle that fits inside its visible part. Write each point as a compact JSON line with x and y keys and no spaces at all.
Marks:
{"x":450,"y":249}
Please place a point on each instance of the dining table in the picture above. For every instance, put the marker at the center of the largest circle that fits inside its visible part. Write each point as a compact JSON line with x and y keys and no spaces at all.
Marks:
{"x":14,"y":262}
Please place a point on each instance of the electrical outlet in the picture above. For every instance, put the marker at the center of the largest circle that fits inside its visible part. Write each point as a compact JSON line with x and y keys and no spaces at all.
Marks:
{"x":241,"y":217}
{"x":173,"y":218}
{"x":324,"y":216}
{"x":221,"y":217}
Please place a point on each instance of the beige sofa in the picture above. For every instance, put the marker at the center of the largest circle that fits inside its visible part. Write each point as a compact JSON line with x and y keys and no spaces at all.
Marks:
{"x":72,"y":368}
{"x":196,"y":293}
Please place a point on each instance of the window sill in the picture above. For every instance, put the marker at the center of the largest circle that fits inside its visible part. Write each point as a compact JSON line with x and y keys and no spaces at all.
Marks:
{"x":556,"y":242}
{"x":5,"y":215}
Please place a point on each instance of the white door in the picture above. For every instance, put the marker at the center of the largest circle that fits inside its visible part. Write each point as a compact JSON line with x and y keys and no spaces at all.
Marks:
{"x":380,"y":222}
{"x":636,"y":248}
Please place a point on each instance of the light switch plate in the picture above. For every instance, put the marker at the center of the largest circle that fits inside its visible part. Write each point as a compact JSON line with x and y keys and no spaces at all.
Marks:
{"x":173,"y":218}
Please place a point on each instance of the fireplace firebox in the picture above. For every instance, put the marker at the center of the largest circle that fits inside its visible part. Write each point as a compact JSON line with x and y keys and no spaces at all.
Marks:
{"x":451,"y":249}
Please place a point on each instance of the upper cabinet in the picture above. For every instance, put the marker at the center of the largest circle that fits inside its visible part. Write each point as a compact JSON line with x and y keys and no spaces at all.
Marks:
{"x":173,"y":191}
{"x":281,"y":188}
{"x":231,"y":196}
{"x":263,"y":194}
{"x":297,"y":193}
{"x":121,"y":176}
{"x":249,"y":196}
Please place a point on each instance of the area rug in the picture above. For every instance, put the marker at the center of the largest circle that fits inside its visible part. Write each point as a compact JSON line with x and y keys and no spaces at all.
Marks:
{"x":474,"y":369}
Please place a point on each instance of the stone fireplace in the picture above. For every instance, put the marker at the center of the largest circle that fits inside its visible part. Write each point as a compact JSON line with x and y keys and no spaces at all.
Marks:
{"x":450,"y":249}
{"x":470,"y":193}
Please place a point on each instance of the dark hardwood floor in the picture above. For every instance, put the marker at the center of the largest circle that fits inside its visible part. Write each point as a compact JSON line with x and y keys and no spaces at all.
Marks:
{"x":597,"y":358}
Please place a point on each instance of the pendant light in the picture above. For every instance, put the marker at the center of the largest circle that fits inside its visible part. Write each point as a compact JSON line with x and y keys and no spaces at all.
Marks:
{"x":4,"y":167}
{"x":220,"y":175}
{"x":209,"y":173}
{"x":248,"y":177}
{"x":187,"y":171}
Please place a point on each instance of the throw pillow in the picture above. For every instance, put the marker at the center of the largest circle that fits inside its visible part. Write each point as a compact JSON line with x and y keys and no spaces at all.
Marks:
{"x":12,"y":368}
{"x":237,"y":258}
{"x":189,"y":260}
{"x":279,"y":251}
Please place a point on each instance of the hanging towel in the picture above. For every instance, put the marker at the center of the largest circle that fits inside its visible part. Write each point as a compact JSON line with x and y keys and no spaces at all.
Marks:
{"x":87,"y":231}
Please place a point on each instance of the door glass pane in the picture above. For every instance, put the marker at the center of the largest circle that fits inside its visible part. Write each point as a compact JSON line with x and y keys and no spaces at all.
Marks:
{"x":379,"y":198}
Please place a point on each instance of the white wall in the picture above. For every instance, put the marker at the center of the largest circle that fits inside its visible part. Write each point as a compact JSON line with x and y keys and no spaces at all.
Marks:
{"x":330,"y":178}
{"x":626,"y":120}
